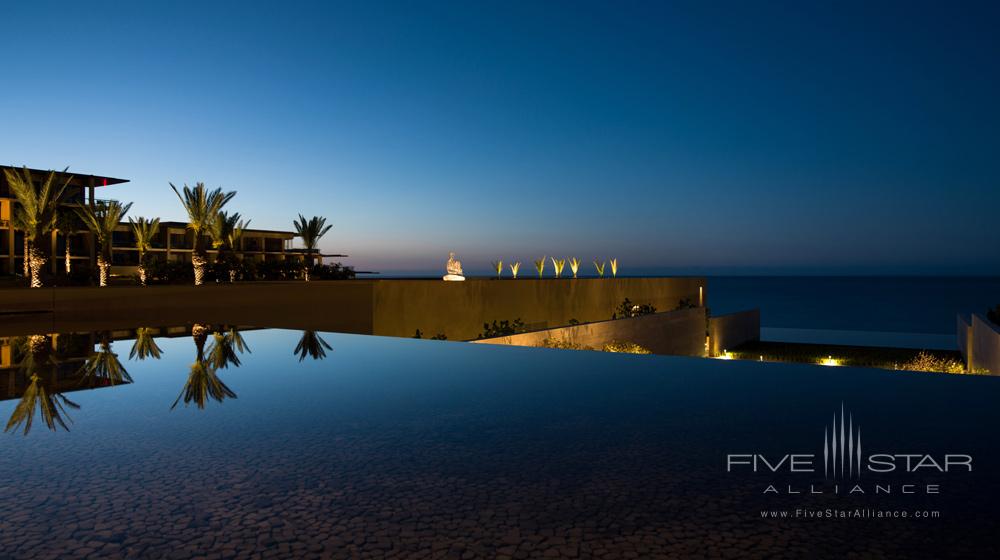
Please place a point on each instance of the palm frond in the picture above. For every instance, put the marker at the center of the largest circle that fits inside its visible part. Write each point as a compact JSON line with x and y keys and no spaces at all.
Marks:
{"x":145,"y":345}
{"x":311,"y":345}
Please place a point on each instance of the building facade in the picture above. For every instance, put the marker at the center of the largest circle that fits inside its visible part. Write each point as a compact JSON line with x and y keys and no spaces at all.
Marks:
{"x":173,"y":243}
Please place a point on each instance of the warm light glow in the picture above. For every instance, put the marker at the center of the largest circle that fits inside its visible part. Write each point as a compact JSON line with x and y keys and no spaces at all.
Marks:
{"x":726,"y":355}
{"x":829,"y":361}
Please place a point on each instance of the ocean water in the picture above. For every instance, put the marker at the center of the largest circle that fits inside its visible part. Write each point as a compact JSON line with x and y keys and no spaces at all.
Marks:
{"x":292,"y":444}
{"x":841,"y":309}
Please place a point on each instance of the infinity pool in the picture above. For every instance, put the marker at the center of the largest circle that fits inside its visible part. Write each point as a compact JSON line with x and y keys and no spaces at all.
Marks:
{"x":233,"y":443}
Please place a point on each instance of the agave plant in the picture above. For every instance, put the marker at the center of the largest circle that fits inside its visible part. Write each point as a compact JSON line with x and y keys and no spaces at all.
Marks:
{"x":540,"y":266}
{"x":104,"y":366}
{"x":497,"y":266}
{"x":311,"y":345}
{"x":614,"y":268}
{"x":203,"y":207}
{"x":145,"y":231}
{"x":574,"y":265}
{"x":145,"y":345}
{"x":515,"y":267}
{"x":600,"y":267}
{"x":38,"y":209}
{"x":558,"y":264}
{"x":203,"y":382}
{"x":310,"y":231}
{"x":101,"y":220}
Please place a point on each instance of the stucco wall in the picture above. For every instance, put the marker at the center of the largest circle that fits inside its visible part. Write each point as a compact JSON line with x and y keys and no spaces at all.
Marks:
{"x":383,"y":307}
{"x":731,"y":330}
{"x":459,"y":309}
{"x":680,"y":332}
{"x":985,"y":345}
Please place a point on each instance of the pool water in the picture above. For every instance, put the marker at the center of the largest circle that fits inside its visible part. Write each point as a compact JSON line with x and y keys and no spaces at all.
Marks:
{"x":329,"y":445}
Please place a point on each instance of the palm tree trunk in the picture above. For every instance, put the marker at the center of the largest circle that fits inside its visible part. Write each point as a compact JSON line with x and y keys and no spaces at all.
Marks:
{"x":142,"y":275}
{"x":69,"y":263}
{"x":232,"y":275}
{"x":27,"y":263}
{"x":198,"y":261}
{"x":102,"y":268}
{"x":37,"y":258}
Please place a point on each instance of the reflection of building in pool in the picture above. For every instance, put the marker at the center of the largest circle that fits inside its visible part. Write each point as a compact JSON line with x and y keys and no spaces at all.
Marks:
{"x":59,"y":364}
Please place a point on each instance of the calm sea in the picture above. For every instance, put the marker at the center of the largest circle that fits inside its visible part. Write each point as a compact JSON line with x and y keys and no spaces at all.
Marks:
{"x":856,"y":310}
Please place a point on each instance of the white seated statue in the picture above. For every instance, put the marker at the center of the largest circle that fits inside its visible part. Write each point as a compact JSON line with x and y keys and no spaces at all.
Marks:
{"x":454,"y":269}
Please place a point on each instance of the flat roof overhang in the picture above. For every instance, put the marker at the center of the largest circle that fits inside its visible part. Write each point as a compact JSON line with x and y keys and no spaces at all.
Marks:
{"x":79,"y":179}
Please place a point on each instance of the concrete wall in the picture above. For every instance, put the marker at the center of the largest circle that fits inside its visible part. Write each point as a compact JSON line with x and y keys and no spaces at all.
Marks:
{"x":985,"y":346}
{"x":964,"y":330}
{"x":729,"y":331}
{"x":459,"y":309}
{"x":382,"y":307}
{"x":680,"y":332}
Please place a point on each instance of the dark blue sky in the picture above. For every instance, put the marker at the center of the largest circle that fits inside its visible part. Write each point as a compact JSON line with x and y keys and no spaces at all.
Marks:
{"x":691,"y":137}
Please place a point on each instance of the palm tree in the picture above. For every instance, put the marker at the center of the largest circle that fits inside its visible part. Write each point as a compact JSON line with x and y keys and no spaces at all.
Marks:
{"x":104,"y":366}
{"x":310,"y":231}
{"x":144,"y":231}
{"x":38,"y":208}
{"x":311,"y":345}
{"x":203,"y":381}
{"x":203,"y":207}
{"x":226,"y":232}
{"x":68,"y":223}
{"x":102,"y":219}
{"x":19,"y":222}
{"x":145,"y":345}
{"x":226,"y":347}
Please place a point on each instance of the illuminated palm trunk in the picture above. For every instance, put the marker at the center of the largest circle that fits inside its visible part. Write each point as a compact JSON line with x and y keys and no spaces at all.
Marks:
{"x":142,"y":275}
{"x":232,"y":275}
{"x":198,"y":262}
{"x":102,"y":268}
{"x":69,"y":263}
{"x":27,"y":263}
{"x":37,"y":260}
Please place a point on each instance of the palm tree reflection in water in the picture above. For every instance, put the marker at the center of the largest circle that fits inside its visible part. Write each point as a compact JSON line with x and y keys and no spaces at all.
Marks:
{"x":203,"y":382}
{"x":103,"y":366}
{"x":311,"y":345}
{"x":145,"y":345}
{"x":36,"y":355}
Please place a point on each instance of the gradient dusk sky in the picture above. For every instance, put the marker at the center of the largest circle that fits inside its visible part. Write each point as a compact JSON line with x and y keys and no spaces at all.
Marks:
{"x":694,"y":137}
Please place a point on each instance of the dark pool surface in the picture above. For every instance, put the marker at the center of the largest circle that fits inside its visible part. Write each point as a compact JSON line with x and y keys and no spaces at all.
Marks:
{"x":396,"y":448}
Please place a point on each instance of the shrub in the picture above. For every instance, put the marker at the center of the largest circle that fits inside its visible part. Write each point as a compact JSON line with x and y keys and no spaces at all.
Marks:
{"x":561,"y":344}
{"x":925,"y":361}
{"x":627,"y":309}
{"x":625,"y":347}
{"x":503,"y":328}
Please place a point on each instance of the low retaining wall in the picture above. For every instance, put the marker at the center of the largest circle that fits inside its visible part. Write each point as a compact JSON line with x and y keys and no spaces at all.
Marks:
{"x":984,"y":346}
{"x":680,"y":332}
{"x":731,"y":330}
{"x":382,"y":307}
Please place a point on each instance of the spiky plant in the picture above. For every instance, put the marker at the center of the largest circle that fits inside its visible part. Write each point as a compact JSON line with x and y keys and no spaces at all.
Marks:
{"x":234,"y":241}
{"x":558,"y":264}
{"x":145,"y":345}
{"x":600,"y":267}
{"x":311,"y":345}
{"x":102,"y":219}
{"x":498,"y":266}
{"x":515,"y":267}
{"x":145,"y":231}
{"x":203,"y":207}
{"x":540,"y":266}
{"x":614,"y":268}
{"x":68,"y":223}
{"x":310,"y":231}
{"x":574,"y":265}
{"x":225,"y":349}
{"x":103,"y":366}
{"x":39,"y":207}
